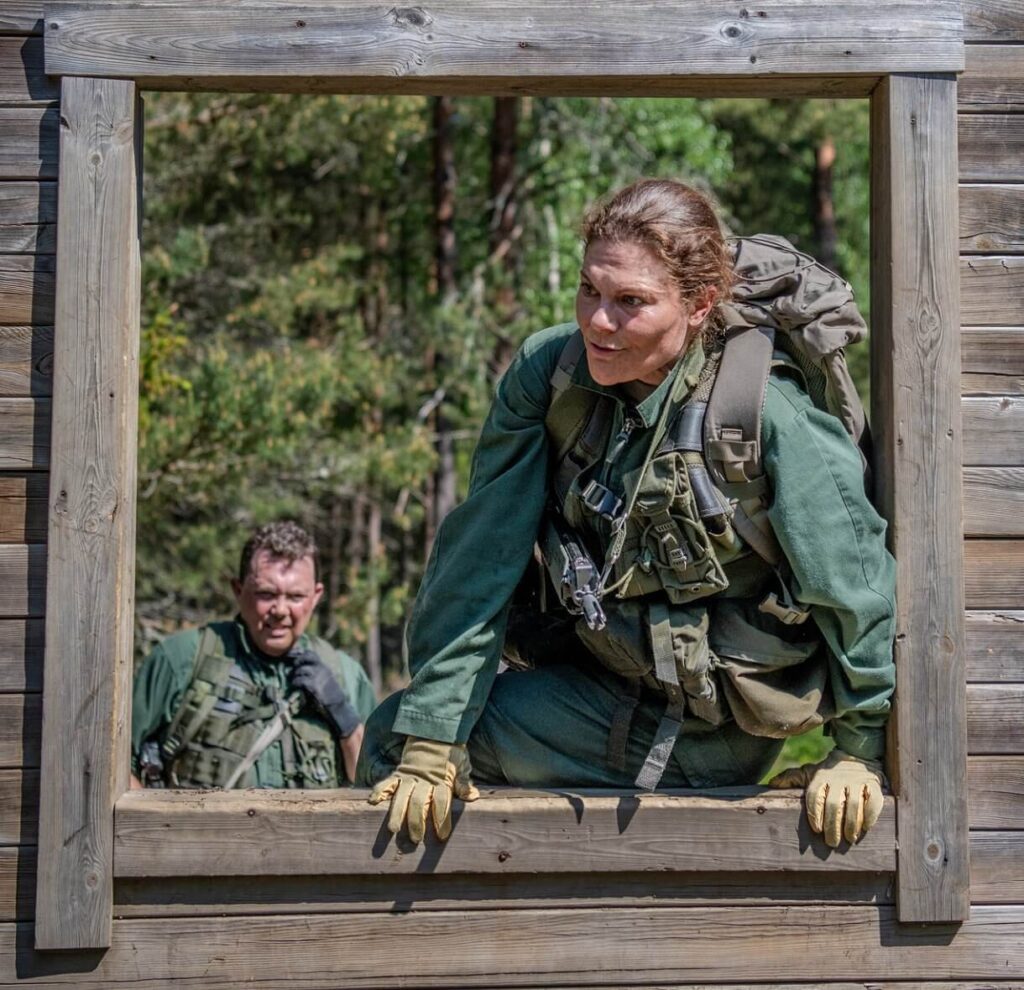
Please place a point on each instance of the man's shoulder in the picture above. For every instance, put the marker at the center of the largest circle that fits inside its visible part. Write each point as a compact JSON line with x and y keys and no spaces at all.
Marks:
{"x":183,"y":644}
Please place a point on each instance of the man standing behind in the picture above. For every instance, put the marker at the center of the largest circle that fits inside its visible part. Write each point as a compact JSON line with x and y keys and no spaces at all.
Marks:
{"x":253,"y":702}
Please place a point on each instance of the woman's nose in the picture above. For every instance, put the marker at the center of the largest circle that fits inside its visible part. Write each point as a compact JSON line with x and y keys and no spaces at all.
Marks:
{"x":601,"y":319}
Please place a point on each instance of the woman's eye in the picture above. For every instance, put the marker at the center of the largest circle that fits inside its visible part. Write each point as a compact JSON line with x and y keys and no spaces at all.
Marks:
{"x":587,"y":289}
{"x":632,"y":301}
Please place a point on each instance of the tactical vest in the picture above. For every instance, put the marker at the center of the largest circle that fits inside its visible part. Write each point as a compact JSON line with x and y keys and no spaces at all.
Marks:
{"x":225,"y":720}
{"x":693,"y":516}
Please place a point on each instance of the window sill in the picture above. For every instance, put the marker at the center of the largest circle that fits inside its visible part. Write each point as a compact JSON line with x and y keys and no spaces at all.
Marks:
{"x":276,"y":833}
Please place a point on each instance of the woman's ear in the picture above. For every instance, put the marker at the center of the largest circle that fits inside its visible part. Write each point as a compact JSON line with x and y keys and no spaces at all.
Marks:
{"x":701,"y":305}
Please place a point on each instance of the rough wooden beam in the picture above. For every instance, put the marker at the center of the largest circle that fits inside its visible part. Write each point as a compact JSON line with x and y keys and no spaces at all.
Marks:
{"x":991,"y":147}
{"x":29,"y":146}
{"x":379,"y":47}
{"x":22,"y":510}
{"x":992,"y":219}
{"x":916,"y":404}
{"x":995,"y":719}
{"x":24,"y":434}
{"x":993,"y":80}
{"x":166,"y":833}
{"x":997,"y":792}
{"x":26,"y":289}
{"x":992,"y":570}
{"x":19,"y":814}
{"x":90,"y":581}
{"x":611,"y":947}
{"x":22,"y":78}
{"x":994,"y":501}
{"x":28,"y":217}
{"x":991,"y":289}
{"x":995,"y":646}
{"x":993,"y":429}
{"x":22,"y":580}
{"x":992,"y":360}
{"x":19,"y":731}
{"x":26,"y":361}
{"x":994,"y":20}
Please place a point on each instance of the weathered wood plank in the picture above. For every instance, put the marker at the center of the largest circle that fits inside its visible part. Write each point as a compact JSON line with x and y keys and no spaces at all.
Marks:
{"x":26,"y":361}
{"x":996,"y":787}
{"x":19,"y":813}
{"x":992,"y":360}
{"x":992,"y":570}
{"x":994,"y":20}
{"x":165,"y":833}
{"x":993,"y":502}
{"x":21,"y":654}
{"x":17,"y":883}
{"x":916,"y":394}
{"x":28,"y":142}
{"x":184,"y":896}
{"x":24,"y":434}
{"x":995,"y":646}
{"x":23,"y":508}
{"x":19,"y":730}
{"x":995,"y":719}
{"x":993,"y":81}
{"x":610,"y":947}
{"x":991,"y":290}
{"x":992,"y":218}
{"x":91,"y":546}
{"x":22,"y":79}
{"x":22,"y":580}
{"x":997,"y":867}
{"x":28,"y":217}
{"x":993,"y":431}
{"x":991,"y":147}
{"x":26,"y":289}
{"x":425,"y":49}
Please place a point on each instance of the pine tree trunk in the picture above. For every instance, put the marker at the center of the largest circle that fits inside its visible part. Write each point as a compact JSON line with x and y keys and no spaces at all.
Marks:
{"x":374,"y":556}
{"x":823,"y":207}
{"x":503,"y":231}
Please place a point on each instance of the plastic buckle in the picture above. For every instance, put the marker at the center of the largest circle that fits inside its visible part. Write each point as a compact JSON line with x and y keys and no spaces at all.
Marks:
{"x":601,"y":501}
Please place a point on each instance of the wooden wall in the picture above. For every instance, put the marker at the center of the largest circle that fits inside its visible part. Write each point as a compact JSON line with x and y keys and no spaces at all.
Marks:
{"x":620,"y":929}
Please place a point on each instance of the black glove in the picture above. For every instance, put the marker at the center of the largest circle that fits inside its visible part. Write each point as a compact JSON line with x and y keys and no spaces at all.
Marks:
{"x":310,"y":674}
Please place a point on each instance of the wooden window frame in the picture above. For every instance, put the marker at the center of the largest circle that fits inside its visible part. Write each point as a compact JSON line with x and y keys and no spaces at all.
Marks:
{"x":903,"y":54}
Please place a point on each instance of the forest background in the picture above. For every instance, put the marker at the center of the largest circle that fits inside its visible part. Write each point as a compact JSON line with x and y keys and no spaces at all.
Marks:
{"x":333,"y":285}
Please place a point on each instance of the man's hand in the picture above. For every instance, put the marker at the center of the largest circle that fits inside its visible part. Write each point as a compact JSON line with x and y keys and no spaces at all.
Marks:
{"x":423,"y":784}
{"x":843,"y":794}
{"x":310,"y":674}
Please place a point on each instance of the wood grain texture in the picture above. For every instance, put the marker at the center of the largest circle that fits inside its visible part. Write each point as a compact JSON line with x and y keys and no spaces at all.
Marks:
{"x":26,"y":289}
{"x":22,"y":580}
{"x":993,"y":502}
{"x":992,"y":361}
{"x":28,"y":142}
{"x":28,"y":217}
{"x":916,"y":397}
{"x":21,"y":654}
{"x":994,"y":20}
{"x":22,"y":79}
{"x":17,"y":883}
{"x":419,"y":49}
{"x":993,"y":434}
{"x":26,"y":361}
{"x":184,"y":896}
{"x":24,"y":434}
{"x":991,"y":289}
{"x":995,"y":719}
{"x":993,"y":81}
{"x":23,"y":508}
{"x":997,"y":867}
{"x":996,"y":787}
{"x":19,"y":813}
{"x":91,"y":545}
{"x":165,"y":833}
{"x":995,"y":646}
{"x":992,"y":218}
{"x":991,"y":147}
{"x":19,"y":730}
{"x":992,"y":574}
{"x":537,"y":948}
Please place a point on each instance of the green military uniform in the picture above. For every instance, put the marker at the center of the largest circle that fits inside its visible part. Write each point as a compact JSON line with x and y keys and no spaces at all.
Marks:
{"x":550,"y":726}
{"x":163,"y":680}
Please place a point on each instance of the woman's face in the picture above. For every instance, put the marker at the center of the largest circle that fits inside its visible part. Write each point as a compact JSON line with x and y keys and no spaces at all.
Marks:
{"x":634,"y":320}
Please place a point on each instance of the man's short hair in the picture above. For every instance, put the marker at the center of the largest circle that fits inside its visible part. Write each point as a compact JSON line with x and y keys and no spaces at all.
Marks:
{"x":286,"y":540}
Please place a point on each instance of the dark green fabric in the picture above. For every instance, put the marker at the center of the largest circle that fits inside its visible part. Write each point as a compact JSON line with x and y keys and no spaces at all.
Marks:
{"x":832,"y":537}
{"x":164,"y":676}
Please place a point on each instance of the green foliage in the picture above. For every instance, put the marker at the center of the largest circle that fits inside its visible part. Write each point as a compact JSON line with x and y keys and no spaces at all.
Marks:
{"x":295,"y":349}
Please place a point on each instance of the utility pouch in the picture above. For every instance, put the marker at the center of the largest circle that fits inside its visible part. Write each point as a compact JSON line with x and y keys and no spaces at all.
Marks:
{"x":774,"y":685}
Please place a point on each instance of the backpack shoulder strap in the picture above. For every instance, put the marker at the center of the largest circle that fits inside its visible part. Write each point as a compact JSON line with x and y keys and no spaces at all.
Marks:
{"x":211,"y":668}
{"x":732,"y":434}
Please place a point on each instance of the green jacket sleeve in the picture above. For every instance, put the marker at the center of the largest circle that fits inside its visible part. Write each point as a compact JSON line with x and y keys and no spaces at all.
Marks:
{"x":160,"y":683}
{"x":834,"y":541}
{"x":481,"y":550}
{"x":357,"y":685}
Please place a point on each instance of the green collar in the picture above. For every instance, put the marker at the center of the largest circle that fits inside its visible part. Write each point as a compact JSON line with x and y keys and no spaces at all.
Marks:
{"x":678,"y":383}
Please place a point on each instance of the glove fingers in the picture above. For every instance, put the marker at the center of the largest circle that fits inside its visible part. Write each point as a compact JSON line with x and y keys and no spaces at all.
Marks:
{"x":853,"y":820}
{"x":464,"y":787}
{"x":400,"y":805}
{"x":872,"y":803}
{"x":419,"y":808}
{"x":384,"y":789}
{"x":815,"y":799}
{"x":442,"y":809}
{"x":835,"y":810}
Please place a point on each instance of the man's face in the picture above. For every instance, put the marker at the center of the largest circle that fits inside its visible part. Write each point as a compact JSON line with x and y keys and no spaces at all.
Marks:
{"x":276,"y":600}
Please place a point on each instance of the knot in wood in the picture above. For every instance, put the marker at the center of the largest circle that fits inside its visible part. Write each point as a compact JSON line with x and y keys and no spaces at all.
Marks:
{"x":411,"y":17}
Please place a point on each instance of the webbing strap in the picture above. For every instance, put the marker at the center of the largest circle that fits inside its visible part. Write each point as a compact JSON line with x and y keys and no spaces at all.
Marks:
{"x":210,"y":673}
{"x":661,"y":643}
{"x":622,"y":719}
{"x":259,"y":746}
{"x":664,"y":743}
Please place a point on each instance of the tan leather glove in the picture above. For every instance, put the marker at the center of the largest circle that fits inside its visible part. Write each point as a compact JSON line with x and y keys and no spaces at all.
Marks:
{"x":843,"y":794}
{"x":423,"y":783}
